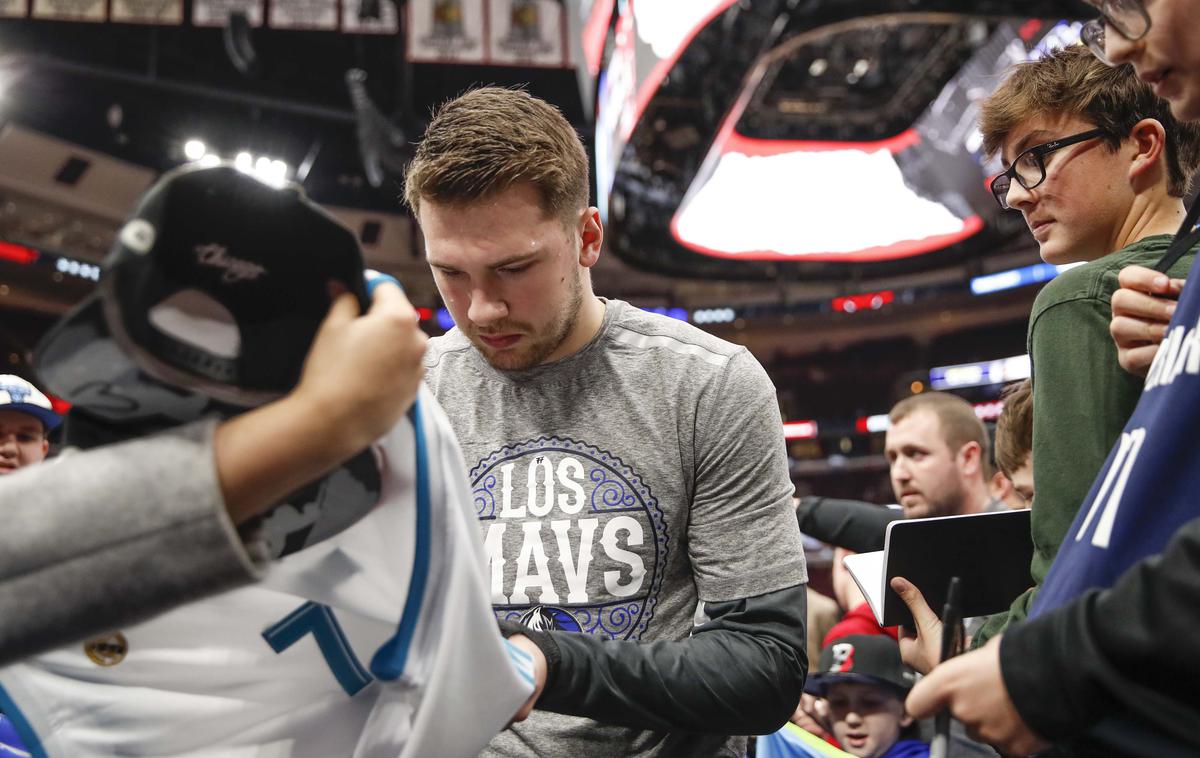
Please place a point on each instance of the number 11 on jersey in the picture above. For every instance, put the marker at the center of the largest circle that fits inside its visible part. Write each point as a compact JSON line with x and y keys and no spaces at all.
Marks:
{"x":1108,"y":498}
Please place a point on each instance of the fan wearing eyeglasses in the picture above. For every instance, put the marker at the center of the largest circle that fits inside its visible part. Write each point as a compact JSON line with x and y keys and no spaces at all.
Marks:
{"x":1098,"y":167}
{"x":1110,"y":655}
{"x":1165,"y":55}
{"x":1162,"y":51}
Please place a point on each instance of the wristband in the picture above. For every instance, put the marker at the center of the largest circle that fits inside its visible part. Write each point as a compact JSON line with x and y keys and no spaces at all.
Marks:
{"x":544,"y":641}
{"x":375,"y":278}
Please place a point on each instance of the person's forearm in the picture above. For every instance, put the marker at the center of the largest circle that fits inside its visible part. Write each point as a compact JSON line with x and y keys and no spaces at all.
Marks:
{"x":849,"y":524}
{"x":101,"y":539}
{"x":741,"y":673}
{"x":267,"y":453}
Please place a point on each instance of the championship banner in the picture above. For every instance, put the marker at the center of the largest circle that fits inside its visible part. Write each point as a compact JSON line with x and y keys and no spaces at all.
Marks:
{"x":70,"y":10}
{"x":14,"y":8}
{"x":316,"y":15}
{"x":387,"y":23}
{"x":527,"y":33}
{"x":216,"y":12}
{"x":159,"y":12}
{"x":446,"y":31}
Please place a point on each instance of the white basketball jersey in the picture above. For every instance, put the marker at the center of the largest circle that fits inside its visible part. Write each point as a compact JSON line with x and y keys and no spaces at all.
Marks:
{"x":379,"y":641}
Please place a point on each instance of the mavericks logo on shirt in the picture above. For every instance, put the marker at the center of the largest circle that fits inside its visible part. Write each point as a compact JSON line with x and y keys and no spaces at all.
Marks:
{"x":573,"y":529}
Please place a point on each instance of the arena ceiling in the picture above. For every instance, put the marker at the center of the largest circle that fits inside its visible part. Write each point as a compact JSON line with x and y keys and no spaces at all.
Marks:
{"x":806,"y":140}
{"x":768,"y":92}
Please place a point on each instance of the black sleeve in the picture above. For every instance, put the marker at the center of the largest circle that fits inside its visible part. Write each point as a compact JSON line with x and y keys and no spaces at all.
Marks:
{"x":741,"y":672}
{"x":1129,"y":653}
{"x":849,"y":524}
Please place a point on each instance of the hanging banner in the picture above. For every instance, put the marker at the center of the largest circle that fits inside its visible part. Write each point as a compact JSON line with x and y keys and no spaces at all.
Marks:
{"x":162,"y":12}
{"x":70,"y":10}
{"x":216,"y":12}
{"x":387,"y":23}
{"x":14,"y":8}
{"x":527,"y":33}
{"x":446,"y":31}
{"x":317,"y":15}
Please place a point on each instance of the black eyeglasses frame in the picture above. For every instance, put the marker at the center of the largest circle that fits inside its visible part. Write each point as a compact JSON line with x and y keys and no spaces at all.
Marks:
{"x":1039,"y":152}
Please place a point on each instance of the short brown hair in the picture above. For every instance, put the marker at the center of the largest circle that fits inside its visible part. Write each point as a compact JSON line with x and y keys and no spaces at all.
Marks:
{"x":492,"y":138}
{"x":957,"y":418}
{"x":1071,"y":81}
{"x":1014,"y":428}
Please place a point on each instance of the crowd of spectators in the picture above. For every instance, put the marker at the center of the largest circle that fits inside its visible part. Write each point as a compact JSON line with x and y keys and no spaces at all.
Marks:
{"x":1099,"y":165}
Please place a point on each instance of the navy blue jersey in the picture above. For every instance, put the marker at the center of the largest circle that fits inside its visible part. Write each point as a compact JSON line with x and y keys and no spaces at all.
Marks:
{"x":1150,"y":484}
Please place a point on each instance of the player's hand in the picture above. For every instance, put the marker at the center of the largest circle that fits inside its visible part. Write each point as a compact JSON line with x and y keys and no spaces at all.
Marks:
{"x":1141,"y":309}
{"x":539,"y":675}
{"x":921,"y":647}
{"x":972,"y":687}
{"x":363,"y":371}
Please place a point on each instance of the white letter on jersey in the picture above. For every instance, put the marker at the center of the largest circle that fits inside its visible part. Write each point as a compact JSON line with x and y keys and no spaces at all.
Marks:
{"x":1189,"y":354}
{"x":637,"y":569}
{"x":569,"y":470}
{"x":493,"y":548}
{"x":1164,"y":358}
{"x":547,"y":468}
{"x":577,"y":570}
{"x":506,"y":509}
{"x":532,"y":548}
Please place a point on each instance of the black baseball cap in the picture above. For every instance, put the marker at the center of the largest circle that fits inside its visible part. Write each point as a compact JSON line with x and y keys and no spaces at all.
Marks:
{"x":207,"y":305}
{"x":214,"y":290}
{"x":862,"y":658}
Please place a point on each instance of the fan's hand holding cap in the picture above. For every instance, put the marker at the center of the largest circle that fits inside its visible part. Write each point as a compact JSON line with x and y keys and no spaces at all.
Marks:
{"x":208,"y":304}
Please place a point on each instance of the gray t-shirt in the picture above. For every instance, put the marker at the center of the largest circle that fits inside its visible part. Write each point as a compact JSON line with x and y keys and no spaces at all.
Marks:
{"x":617,"y":489}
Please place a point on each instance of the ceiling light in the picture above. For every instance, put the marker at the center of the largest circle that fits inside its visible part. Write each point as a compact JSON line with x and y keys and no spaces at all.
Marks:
{"x":800,"y":430}
{"x":665,"y":27}
{"x":194,"y":150}
{"x":999,"y":371}
{"x":814,"y":203}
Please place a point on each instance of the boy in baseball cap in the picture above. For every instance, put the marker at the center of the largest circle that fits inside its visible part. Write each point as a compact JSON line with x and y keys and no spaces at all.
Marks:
{"x":865,"y":683}
{"x":26,"y":417}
